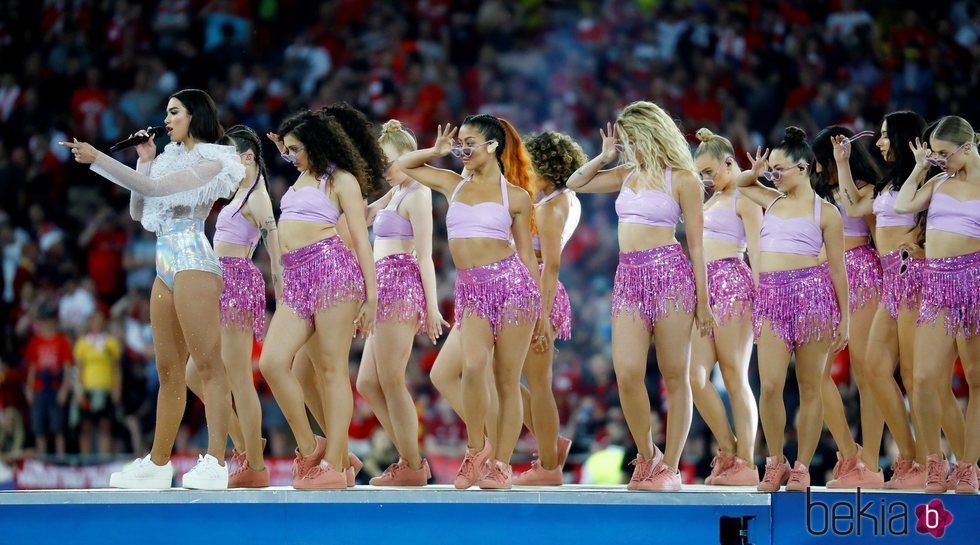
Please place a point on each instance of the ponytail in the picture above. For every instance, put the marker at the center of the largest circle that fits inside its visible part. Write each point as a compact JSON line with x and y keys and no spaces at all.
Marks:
{"x":516,"y":163}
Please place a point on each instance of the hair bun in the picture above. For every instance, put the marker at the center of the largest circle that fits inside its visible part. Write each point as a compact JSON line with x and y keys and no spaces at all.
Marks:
{"x":794,"y":135}
{"x":704,"y":134}
{"x":392,"y":125}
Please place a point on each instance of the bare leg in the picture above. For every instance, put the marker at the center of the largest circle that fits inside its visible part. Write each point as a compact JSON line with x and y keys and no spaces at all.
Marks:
{"x":939,"y":350}
{"x":171,"y":353}
{"x":881,"y":356}
{"x":734,"y":348}
{"x":773,"y":363}
{"x":334,"y":332}
{"x":509,"y":354}
{"x":287,"y":333}
{"x":446,"y":376}
{"x":236,"y":351}
{"x":671,"y":337}
{"x":304,"y":372}
{"x":369,"y":386}
{"x":477,"y":347}
{"x":196,"y":302}
{"x":833,"y":412}
{"x":811,"y":358}
{"x":630,"y":345}
{"x":969,"y":350}
{"x":196,"y":386}
{"x":540,"y":401}
{"x":397,"y":338}
{"x":872,"y":420}
{"x":706,"y":398}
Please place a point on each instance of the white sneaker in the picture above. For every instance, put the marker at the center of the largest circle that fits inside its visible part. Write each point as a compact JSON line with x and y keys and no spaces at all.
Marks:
{"x":143,"y":473}
{"x":207,"y":475}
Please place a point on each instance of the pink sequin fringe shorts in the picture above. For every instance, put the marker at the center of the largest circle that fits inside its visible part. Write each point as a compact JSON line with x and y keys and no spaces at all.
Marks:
{"x":503,"y":292}
{"x":320,"y":276}
{"x":799,"y":304}
{"x":242,"y":300}
{"x":400,"y":293}
{"x":952,"y":284}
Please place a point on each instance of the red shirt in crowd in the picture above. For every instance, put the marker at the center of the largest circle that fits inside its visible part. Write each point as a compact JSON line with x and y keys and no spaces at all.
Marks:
{"x":48,"y":357}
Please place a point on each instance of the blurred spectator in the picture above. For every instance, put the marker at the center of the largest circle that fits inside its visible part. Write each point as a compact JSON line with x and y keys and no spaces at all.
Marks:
{"x":98,"y":388}
{"x":49,"y":359}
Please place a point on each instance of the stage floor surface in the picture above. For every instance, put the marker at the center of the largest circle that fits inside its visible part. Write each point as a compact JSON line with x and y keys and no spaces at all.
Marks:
{"x":441,"y":514}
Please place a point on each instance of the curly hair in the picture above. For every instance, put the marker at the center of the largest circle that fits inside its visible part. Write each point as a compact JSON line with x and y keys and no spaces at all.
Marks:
{"x":362,"y":134}
{"x":554,"y":156}
{"x":326,"y":144}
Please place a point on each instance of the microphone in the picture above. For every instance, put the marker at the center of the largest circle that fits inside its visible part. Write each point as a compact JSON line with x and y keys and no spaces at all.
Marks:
{"x":139,"y":138}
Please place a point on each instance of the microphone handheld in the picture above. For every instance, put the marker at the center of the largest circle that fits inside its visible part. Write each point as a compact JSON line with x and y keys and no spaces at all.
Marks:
{"x":156,"y":132}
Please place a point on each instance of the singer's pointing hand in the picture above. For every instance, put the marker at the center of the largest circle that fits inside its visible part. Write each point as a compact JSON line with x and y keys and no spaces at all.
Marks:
{"x":83,"y":153}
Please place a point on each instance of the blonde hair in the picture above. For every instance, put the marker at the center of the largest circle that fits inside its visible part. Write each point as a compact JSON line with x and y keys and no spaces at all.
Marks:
{"x":647,"y":131}
{"x":955,"y":129}
{"x":714,"y":145}
{"x":392,"y":133}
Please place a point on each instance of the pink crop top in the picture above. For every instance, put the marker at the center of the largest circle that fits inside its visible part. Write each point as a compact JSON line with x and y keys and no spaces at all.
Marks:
{"x":723,"y":223}
{"x":232,"y":225}
{"x":480,"y":220}
{"x":389,"y":224}
{"x":947,"y":213}
{"x":648,"y":207}
{"x":309,"y":203}
{"x":571,"y":222}
{"x":853,"y":227}
{"x":798,"y":235}
{"x":884,"y":211}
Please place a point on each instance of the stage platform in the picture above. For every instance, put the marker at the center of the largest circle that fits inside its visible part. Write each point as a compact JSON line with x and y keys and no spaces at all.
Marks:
{"x":441,"y":514}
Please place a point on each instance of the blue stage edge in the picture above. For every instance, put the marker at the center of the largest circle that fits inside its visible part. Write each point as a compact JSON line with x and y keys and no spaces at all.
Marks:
{"x":439,"y":514}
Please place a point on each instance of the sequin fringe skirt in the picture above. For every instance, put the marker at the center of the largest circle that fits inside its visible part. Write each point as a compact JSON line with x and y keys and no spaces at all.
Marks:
{"x":503,"y":292}
{"x":863,"y":276}
{"x":900,"y":290}
{"x":649,"y":283}
{"x":400,"y":293}
{"x":561,"y":311}
{"x":799,"y":304}
{"x":242,"y":301}
{"x":320,"y":276}
{"x":731,"y":289}
{"x":952,"y":284}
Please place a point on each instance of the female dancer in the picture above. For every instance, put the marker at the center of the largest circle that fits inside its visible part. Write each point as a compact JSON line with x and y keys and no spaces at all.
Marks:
{"x":656,"y":291}
{"x":855,"y":467}
{"x":949,"y":321}
{"x":328,"y":294}
{"x":407,"y":305}
{"x":731,"y":225}
{"x":893,"y":328}
{"x":497,"y":296}
{"x":240,"y":225}
{"x":554,"y":157}
{"x":172,"y":195}
{"x":799,"y":300}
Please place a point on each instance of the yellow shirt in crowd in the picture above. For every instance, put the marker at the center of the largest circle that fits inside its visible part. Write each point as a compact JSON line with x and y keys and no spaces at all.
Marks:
{"x":97,"y":356}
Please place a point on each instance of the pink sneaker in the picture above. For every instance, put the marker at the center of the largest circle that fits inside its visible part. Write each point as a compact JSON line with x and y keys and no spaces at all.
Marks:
{"x":663,"y":478}
{"x":908,"y":475}
{"x":739,"y":473}
{"x":799,"y":478}
{"x":304,"y":464}
{"x":855,"y":474}
{"x":323,"y":477}
{"x":402,"y":474}
{"x":936,"y":469}
{"x":498,"y":477}
{"x":539,"y":476}
{"x":473,"y":468}
{"x":644,"y":468}
{"x":965,"y":476}
{"x":244,"y":476}
{"x":776,"y":474}
{"x":719,"y":464}
{"x":564,"y":446}
{"x":353,"y":469}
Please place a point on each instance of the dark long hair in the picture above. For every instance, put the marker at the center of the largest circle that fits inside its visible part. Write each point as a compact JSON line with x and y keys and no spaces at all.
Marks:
{"x":204,"y":125}
{"x":244,"y":138}
{"x":864,"y":169}
{"x":903,"y":128}
{"x":364,"y":137}
{"x":327,"y":144}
